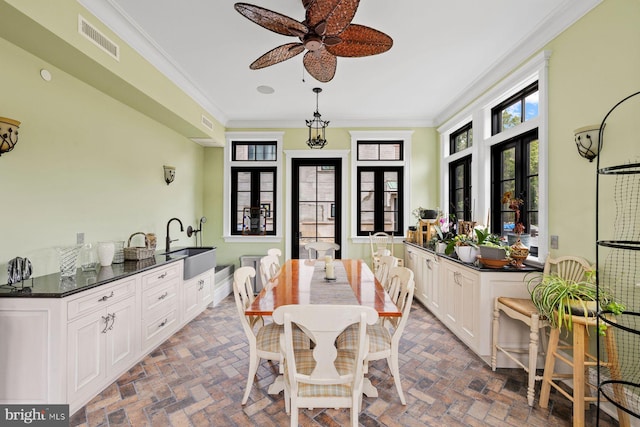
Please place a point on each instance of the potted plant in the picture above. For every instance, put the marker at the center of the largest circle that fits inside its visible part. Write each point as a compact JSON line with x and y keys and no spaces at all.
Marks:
{"x":445,"y":232}
{"x":514,"y":204}
{"x":490,"y":245}
{"x":559,"y":299}
{"x":464,"y":246}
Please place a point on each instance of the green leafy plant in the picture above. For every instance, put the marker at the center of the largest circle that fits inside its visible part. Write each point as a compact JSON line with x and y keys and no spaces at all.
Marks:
{"x":558,"y":299}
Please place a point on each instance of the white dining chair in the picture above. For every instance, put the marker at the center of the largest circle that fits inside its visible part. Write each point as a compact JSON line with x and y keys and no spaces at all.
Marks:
{"x":387,"y":262}
{"x":269,"y":267}
{"x":384,"y":337}
{"x":324,"y":377}
{"x":264,"y":339}
{"x":381,"y":245}
{"x":276,"y":253}
{"x":320,"y":249}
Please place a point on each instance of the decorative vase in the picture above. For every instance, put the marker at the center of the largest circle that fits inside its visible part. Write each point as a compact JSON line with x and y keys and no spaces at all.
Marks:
{"x":106,"y":251}
{"x":441,"y":247}
{"x":467,"y":254}
{"x":68,"y":260}
{"x":519,"y":253}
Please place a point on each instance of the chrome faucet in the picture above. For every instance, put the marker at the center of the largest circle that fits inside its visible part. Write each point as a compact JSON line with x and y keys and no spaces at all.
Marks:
{"x":168,"y":239}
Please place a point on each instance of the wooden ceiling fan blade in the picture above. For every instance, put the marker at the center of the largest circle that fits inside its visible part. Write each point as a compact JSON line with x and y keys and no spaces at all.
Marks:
{"x":276,"y":55}
{"x":271,"y":20}
{"x":337,"y":14}
{"x":359,"y":40}
{"x":321,"y":65}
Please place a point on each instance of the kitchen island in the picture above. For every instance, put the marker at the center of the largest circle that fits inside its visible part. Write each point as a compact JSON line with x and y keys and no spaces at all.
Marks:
{"x":65,"y":339}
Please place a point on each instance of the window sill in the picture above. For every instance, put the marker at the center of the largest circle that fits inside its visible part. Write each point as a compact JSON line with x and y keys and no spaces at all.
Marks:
{"x":365,"y":239}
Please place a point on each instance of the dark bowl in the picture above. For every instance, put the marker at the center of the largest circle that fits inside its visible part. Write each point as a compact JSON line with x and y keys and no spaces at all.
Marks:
{"x":429,"y":214}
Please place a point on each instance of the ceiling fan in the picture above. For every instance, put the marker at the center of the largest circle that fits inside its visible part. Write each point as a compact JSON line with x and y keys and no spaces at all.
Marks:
{"x":326,"y":33}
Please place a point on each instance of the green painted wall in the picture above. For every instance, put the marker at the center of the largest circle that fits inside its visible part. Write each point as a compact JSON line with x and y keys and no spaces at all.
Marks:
{"x":424,"y":187}
{"x":85,"y":163}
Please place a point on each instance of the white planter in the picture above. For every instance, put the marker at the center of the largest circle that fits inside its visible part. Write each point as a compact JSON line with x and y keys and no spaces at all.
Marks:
{"x":467,"y":253}
{"x":441,"y":247}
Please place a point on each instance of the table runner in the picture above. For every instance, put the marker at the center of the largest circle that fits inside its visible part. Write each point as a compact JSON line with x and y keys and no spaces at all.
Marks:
{"x":323,"y":291}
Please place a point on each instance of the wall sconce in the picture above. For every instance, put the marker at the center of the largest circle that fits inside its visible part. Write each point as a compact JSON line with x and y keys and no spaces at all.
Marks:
{"x":169,"y":174}
{"x":588,"y":141}
{"x":8,"y":134}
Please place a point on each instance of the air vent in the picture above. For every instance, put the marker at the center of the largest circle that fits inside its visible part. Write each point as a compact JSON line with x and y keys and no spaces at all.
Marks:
{"x":99,"y":39}
{"x":206,"y":122}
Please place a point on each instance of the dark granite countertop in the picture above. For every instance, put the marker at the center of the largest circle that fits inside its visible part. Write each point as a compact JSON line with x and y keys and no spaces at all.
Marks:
{"x":477,"y":265}
{"x":53,"y":286}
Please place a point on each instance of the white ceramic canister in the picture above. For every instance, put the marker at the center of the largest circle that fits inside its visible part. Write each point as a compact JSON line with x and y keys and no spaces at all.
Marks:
{"x":106,"y":251}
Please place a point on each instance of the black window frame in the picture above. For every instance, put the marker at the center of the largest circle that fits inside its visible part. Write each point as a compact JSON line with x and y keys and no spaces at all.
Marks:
{"x":521,"y":181}
{"x":255,"y":195}
{"x":465,"y":162}
{"x":466,"y":129}
{"x":378,"y":209}
{"x":496,"y":112}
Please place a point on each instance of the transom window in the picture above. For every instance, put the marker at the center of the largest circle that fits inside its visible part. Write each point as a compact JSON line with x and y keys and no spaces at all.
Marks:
{"x":380,"y":150}
{"x":461,"y":139}
{"x":517,"y":109}
{"x":254,"y":151}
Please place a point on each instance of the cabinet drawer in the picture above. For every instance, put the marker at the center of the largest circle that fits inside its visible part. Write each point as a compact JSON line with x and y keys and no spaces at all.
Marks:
{"x":160,"y":327}
{"x":159,"y":296}
{"x":161,"y":275}
{"x":111,"y":293}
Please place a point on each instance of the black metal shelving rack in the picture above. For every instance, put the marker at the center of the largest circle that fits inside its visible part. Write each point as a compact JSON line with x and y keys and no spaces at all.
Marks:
{"x":618,"y":259}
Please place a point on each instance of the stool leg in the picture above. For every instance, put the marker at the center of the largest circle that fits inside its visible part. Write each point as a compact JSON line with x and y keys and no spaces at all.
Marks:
{"x":494,"y":347}
{"x":533,"y":357}
{"x":614,"y":369}
{"x":549,"y":365}
{"x":579,"y":343}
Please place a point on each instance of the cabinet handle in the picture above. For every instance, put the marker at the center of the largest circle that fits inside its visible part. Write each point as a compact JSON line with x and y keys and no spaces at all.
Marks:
{"x":201,"y":283}
{"x":106,"y":323}
{"x":163,"y":296}
{"x":456,"y":277}
{"x":428,"y":261}
{"x":106,"y":297}
{"x":113,"y":320}
{"x":163,"y":323}
{"x":163,"y":275}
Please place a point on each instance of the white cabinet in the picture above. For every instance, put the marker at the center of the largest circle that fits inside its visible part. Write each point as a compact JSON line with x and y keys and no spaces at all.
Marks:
{"x":198,"y":293}
{"x":160,"y":305}
{"x":67,"y":350}
{"x":426,"y":269}
{"x":462,"y":297}
{"x":101,"y":338}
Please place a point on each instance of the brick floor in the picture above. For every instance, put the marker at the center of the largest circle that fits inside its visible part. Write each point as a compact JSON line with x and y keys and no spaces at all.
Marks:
{"x":197,"y":378}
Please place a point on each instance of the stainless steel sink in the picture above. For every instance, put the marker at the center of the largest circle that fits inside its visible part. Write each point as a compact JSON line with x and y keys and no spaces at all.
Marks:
{"x":196,"y":260}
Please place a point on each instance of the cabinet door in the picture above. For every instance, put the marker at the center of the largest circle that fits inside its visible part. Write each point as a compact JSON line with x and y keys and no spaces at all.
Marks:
{"x":415,"y":262}
{"x":190,"y":302}
{"x":453,"y":297}
{"x":431,"y":272}
{"x":86,"y":364}
{"x":469,"y":320}
{"x":206,"y":292}
{"x":120,"y":336}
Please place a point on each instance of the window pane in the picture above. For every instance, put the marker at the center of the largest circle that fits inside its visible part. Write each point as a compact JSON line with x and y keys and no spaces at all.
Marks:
{"x":367,"y":181}
{"x":366,"y":221}
{"x":470,"y":137}
{"x":326,"y":183}
{"x":244,"y":181}
{"x":266,"y":181}
{"x":531,"y":106}
{"x":508,"y":164}
{"x":511,"y":116}
{"x":390,"y":221}
{"x":389,"y":151}
{"x":367,"y":151}
{"x":241,"y":152}
{"x":532,"y":200}
{"x":367,"y":201}
{"x":533,"y":157}
{"x":244,"y":200}
{"x":459,"y":176}
{"x":461,"y":142}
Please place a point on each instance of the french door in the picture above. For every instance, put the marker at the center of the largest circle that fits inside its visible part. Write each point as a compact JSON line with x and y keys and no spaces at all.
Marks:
{"x":316,"y":203}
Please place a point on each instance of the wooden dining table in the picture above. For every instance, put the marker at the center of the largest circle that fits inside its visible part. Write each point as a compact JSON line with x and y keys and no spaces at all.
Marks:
{"x":302,"y":281}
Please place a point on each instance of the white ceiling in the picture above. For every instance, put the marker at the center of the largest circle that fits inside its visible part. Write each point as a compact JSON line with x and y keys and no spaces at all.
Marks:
{"x":445,"y":53}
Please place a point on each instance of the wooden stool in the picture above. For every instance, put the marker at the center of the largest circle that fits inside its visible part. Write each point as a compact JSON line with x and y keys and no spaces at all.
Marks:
{"x":523,"y":310}
{"x":580,"y":362}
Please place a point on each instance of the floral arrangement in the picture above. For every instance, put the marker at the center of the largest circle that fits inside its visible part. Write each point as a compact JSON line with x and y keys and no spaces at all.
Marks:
{"x":514,"y":204}
{"x":446,"y":227}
